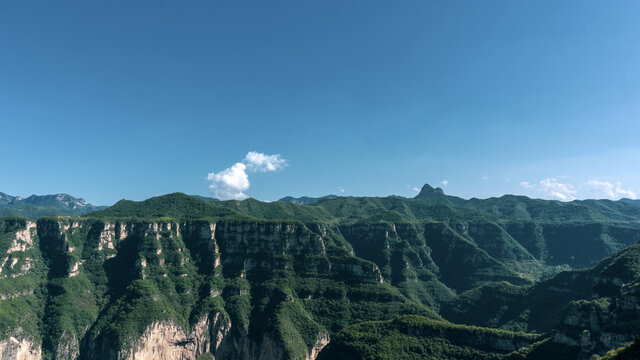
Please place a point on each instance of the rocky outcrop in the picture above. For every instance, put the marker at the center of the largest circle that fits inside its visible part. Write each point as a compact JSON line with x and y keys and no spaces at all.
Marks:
{"x":199,"y":237}
{"x":16,"y":261}
{"x":266,"y":349}
{"x":23,"y":239}
{"x":599,"y":325}
{"x":68,"y":346}
{"x":164,"y":340}
{"x":404,"y":258}
{"x":321,"y":341}
{"x":19,"y":349}
{"x":168,"y":340}
{"x":19,"y":282}
{"x":75,"y":248}
{"x":353,"y":269}
{"x":107,"y":235}
{"x":173,"y":268}
{"x":253,"y":246}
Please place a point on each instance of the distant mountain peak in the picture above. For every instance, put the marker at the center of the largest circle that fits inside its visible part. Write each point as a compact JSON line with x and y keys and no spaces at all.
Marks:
{"x":432,"y":194}
{"x":40,"y":205}
{"x":61,"y":198}
{"x":428,"y":189}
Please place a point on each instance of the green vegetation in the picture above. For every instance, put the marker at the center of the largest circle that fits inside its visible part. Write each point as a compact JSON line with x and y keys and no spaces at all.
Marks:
{"x":629,"y":352}
{"x":377,"y":275}
{"x":22,"y":292}
{"x":171,"y":206}
{"x":415,"y":337}
{"x":539,"y":307}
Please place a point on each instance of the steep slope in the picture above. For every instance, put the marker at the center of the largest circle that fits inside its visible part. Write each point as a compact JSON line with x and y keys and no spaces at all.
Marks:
{"x":415,"y":337}
{"x":555,"y":235}
{"x":591,"y":310}
{"x":236,"y":289}
{"x":585,"y":313}
{"x":401,"y":252}
{"x":22,"y":277}
{"x":463,"y":264}
{"x":180,"y":277}
{"x":431,"y":262}
{"x":519,"y":251}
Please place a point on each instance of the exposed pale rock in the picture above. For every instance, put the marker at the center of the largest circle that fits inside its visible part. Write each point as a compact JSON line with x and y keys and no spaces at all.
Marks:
{"x":75,"y":269}
{"x":166,"y":340}
{"x":321,"y":341}
{"x":28,"y":264}
{"x":3,"y":263}
{"x":23,"y":239}
{"x":17,"y":295}
{"x":121,"y":231}
{"x":19,"y":349}
{"x":106,"y":237}
{"x":163,"y":340}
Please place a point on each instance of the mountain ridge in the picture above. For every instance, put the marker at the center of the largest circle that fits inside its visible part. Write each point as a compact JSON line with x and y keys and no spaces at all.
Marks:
{"x":35,"y":206}
{"x":169,"y":274}
{"x":306,"y":200}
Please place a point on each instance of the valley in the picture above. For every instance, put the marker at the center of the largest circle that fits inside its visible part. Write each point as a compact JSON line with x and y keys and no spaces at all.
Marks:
{"x":435,"y":276}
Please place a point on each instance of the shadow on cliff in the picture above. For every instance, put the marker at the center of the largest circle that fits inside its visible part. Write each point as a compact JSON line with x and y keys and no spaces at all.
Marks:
{"x":121,"y":271}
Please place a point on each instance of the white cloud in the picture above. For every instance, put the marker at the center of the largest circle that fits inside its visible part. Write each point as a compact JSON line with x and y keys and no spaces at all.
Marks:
{"x":602,"y":187}
{"x":341,"y":189}
{"x":626,"y":194}
{"x":526,"y":185}
{"x":485,"y":176}
{"x":553,"y":189}
{"x":609,"y":190}
{"x":231,"y":183}
{"x":557,"y":190}
{"x":262,"y":162}
{"x":413,"y":188}
{"x":445,"y":182}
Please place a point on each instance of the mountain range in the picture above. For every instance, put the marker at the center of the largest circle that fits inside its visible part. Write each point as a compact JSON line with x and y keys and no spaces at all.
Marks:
{"x":36,"y":206}
{"x":433,"y":277}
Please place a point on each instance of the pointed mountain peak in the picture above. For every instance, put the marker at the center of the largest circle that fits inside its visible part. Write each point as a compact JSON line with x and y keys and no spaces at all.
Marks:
{"x":428,"y":189}
{"x":431,"y":194}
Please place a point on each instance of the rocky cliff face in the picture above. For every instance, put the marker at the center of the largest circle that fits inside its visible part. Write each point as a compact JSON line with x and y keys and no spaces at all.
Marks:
{"x":193,"y":281}
{"x":168,"y":340}
{"x":404,"y":258}
{"x":19,"y":349}
{"x":20,"y":278}
{"x":98,"y":290}
{"x":611,"y":318}
{"x":16,"y":261}
{"x":597,"y":326}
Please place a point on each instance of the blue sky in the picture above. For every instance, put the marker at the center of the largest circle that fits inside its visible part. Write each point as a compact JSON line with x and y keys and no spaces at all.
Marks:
{"x":119,"y":99}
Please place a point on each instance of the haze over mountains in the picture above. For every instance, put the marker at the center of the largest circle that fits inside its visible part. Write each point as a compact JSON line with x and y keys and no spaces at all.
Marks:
{"x":305,"y":200}
{"x":435,"y":276}
{"x":36,"y":206}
